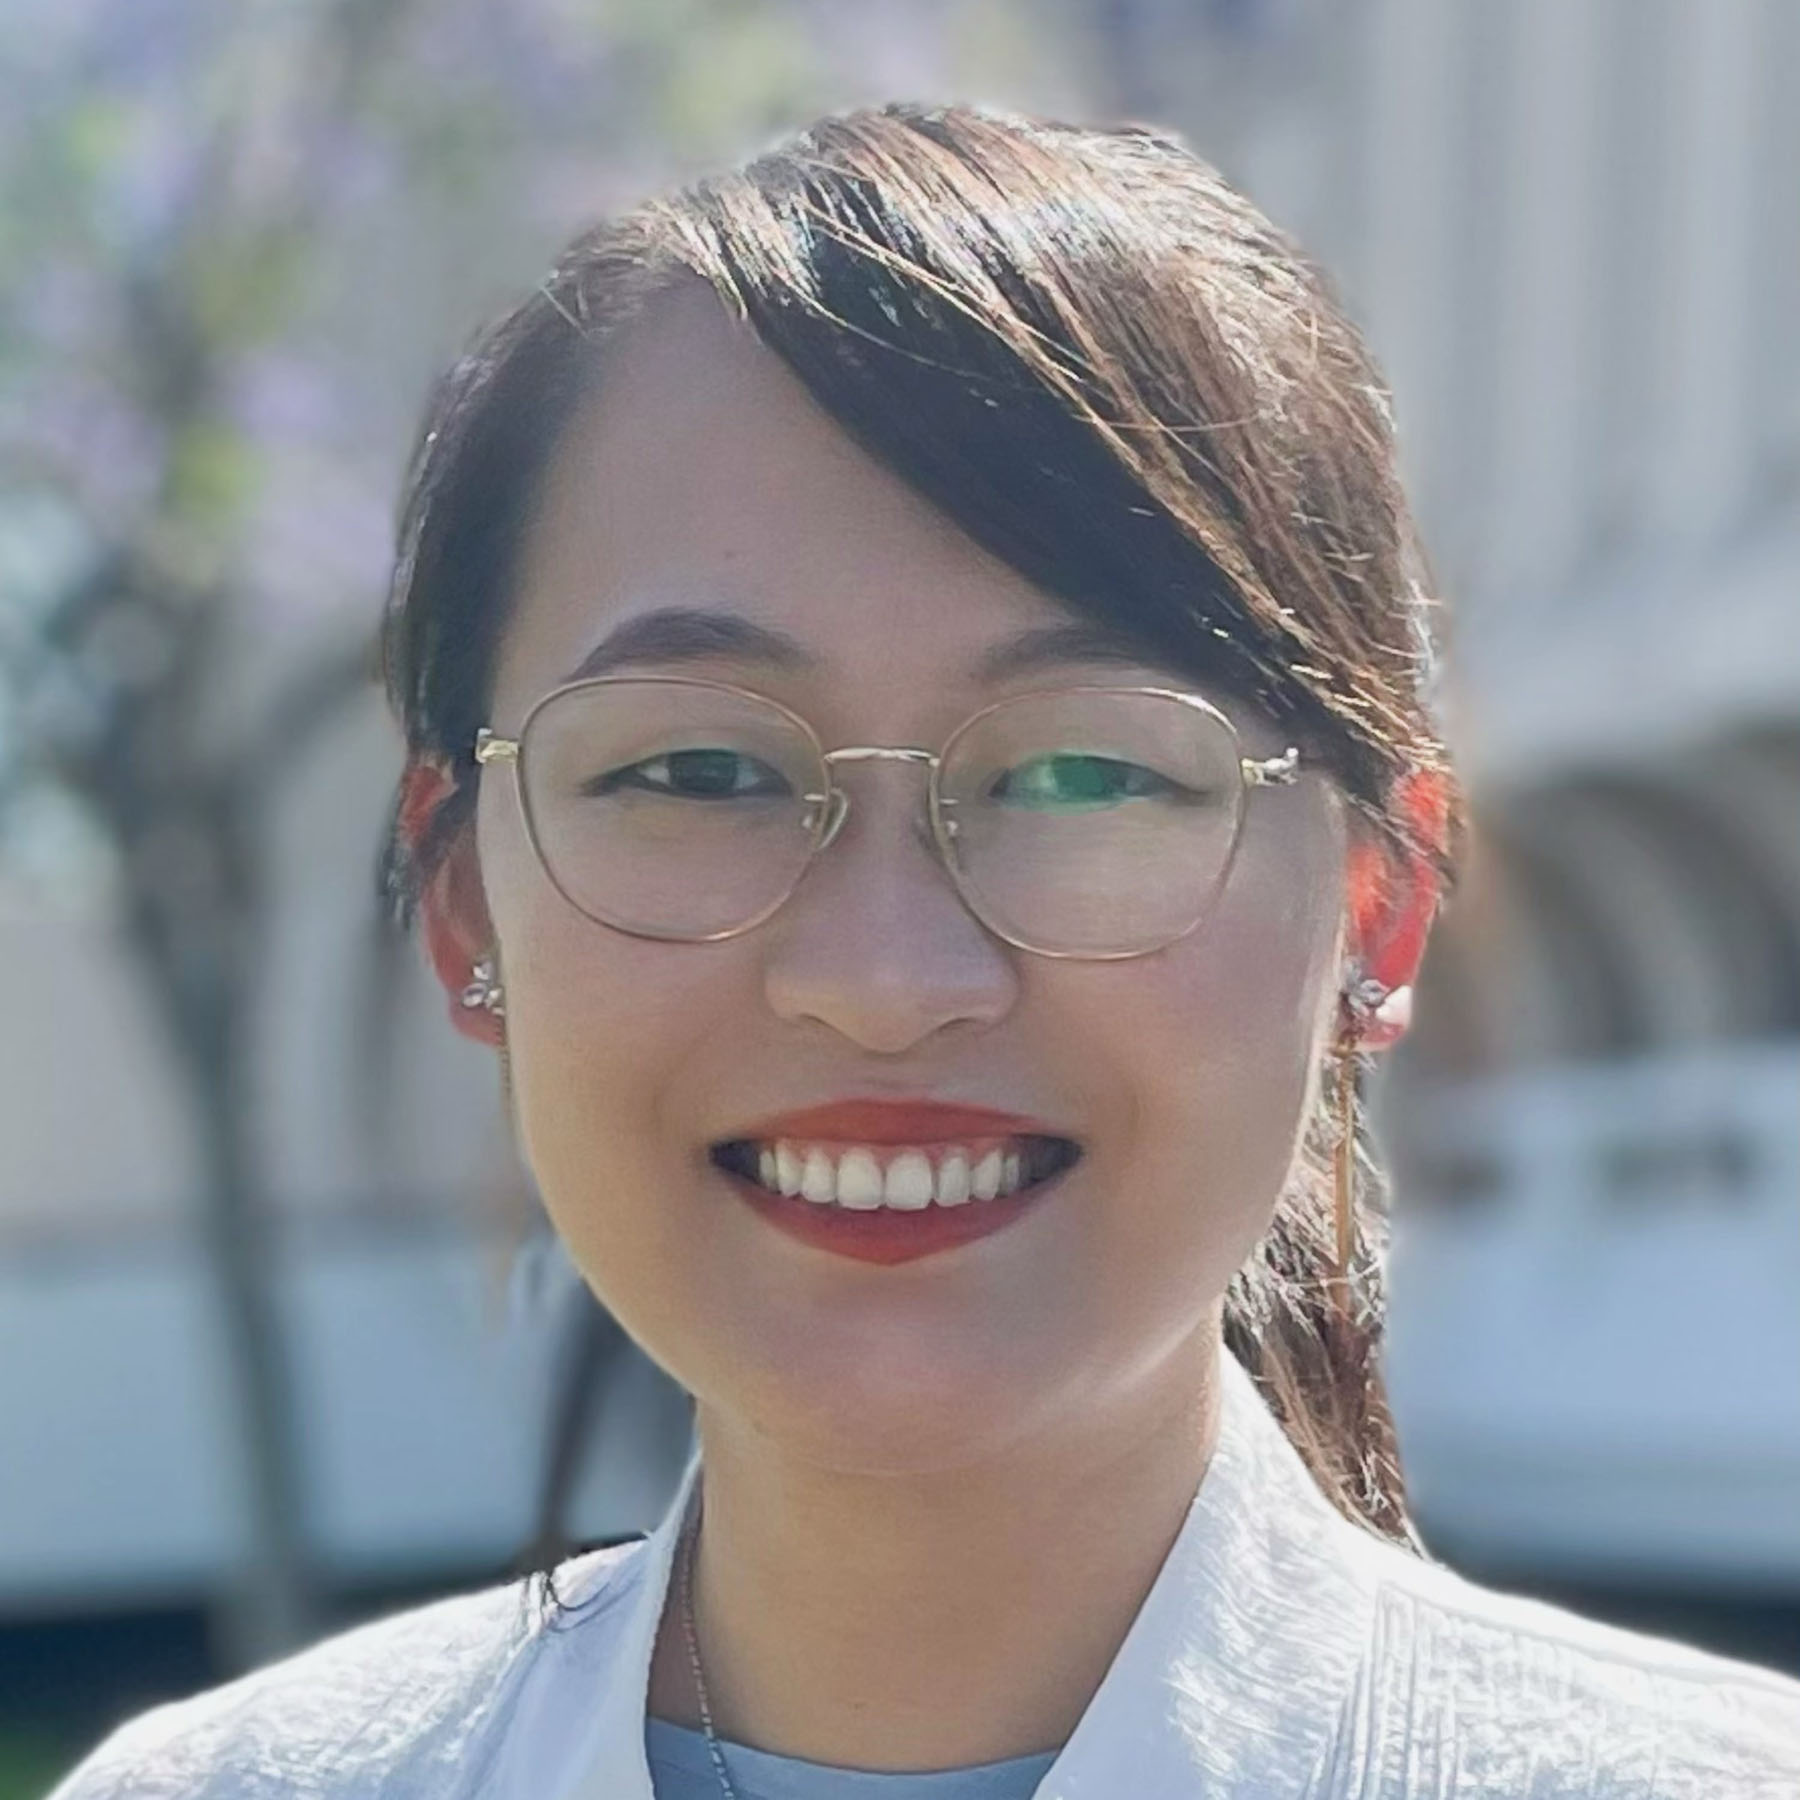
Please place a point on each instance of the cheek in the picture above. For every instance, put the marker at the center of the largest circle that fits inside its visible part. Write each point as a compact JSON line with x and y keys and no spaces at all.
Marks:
{"x":602,"y":1032}
{"x":1216,"y":1041}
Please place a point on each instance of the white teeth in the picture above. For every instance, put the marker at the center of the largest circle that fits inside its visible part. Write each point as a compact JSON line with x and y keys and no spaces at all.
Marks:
{"x":866,"y":1177}
{"x":787,"y":1170}
{"x":908,"y":1184}
{"x":984,"y":1179}
{"x":818,"y":1181}
{"x":859,"y":1182}
{"x":953,"y":1180}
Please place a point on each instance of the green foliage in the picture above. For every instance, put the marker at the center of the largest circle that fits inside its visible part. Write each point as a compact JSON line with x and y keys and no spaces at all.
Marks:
{"x":211,"y":475}
{"x":30,"y":1764}
{"x":760,"y":69}
{"x":245,"y":287}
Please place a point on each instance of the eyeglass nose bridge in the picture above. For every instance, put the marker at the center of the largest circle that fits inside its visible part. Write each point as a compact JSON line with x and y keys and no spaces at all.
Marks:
{"x":837,"y":802}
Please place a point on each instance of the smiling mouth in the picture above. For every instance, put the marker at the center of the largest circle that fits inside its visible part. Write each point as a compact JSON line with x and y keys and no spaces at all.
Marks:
{"x":897,"y":1177}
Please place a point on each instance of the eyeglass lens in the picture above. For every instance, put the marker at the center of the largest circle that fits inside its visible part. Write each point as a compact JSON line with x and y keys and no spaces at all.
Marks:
{"x":1096,"y":822}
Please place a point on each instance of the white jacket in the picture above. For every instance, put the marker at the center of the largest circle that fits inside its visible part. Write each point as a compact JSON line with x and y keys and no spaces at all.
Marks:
{"x":1281,"y":1652}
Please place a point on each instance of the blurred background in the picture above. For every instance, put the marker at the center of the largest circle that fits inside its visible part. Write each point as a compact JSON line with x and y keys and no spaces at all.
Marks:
{"x":282,"y":1339}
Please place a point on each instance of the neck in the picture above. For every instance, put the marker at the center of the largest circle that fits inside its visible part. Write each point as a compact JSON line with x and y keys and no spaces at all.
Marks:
{"x":940,"y":1621}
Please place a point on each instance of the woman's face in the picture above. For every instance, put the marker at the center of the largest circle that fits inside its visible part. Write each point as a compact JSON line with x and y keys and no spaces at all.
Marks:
{"x":703,"y":476}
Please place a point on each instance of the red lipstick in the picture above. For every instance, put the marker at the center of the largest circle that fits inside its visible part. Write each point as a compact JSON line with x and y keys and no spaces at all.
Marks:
{"x":891,"y":1122}
{"x":888,"y":1234}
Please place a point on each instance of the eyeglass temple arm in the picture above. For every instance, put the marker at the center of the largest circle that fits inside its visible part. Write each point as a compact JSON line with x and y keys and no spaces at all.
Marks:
{"x":1274,"y":771}
{"x":489,"y":748}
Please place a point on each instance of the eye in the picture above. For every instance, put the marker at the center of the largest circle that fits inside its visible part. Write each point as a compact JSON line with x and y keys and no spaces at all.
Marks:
{"x":693,"y":774}
{"x":1073,"y":781}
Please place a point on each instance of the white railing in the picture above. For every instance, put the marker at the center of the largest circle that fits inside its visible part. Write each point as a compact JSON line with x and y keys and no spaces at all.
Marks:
{"x":422,"y":1395}
{"x":1595,"y":1342}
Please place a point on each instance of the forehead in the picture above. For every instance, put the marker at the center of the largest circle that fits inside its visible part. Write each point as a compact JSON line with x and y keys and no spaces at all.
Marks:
{"x":701,"y":473}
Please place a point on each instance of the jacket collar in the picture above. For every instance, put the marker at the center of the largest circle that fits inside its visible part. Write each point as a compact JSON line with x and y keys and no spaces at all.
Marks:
{"x":1232,"y":1679}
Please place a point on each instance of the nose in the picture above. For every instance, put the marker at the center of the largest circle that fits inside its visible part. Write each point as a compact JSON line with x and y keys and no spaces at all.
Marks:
{"x":875,"y":943}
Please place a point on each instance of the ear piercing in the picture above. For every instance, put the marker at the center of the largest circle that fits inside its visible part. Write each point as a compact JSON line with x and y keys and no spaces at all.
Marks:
{"x":1371,"y":1002}
{"x":1364,"y":995}
{"x":484,"y":991}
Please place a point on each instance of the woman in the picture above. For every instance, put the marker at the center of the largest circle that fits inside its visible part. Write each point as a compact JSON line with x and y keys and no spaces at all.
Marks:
{"x":914,"y":666}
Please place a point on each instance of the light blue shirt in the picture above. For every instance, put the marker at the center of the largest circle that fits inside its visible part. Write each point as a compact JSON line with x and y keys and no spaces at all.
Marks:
{"x":681,"y":1768}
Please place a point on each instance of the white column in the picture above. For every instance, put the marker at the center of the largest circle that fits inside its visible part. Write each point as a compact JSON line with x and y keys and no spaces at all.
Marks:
{"x":1775,"y":329}
{"x":1545,"y":372}
{"x":1704,"y":371}
{"x":1405,"y":262}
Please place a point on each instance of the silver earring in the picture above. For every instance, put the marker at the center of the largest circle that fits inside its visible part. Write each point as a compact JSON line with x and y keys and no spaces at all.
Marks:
{"x":1363,"y":994}
{"x":484,"y":991}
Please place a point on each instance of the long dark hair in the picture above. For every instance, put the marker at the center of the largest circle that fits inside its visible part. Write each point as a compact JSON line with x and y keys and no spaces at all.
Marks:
{"x":1111,"y":371}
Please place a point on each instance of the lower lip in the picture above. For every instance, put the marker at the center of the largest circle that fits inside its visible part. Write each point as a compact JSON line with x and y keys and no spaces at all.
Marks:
{"x":889,"y":1234}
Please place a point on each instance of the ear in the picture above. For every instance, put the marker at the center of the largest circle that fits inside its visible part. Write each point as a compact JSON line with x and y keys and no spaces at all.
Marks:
{"x":453,"y":914}
{"x":1392,"y":899}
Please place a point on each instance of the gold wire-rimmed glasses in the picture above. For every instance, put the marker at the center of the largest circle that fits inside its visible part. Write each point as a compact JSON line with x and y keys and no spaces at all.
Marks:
{"x":1090,"y":822}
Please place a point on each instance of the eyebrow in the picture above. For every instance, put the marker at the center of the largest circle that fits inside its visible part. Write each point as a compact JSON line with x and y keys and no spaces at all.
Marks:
{"x":678,"y":634}
{"x":1050,"y":646}
{"x":674,"y":634}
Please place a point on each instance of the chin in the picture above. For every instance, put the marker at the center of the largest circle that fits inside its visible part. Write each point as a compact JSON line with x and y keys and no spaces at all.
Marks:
{"x":886,"y":1419}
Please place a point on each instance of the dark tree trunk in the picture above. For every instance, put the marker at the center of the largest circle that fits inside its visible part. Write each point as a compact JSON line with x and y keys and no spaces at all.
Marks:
{"x":192,"y":920}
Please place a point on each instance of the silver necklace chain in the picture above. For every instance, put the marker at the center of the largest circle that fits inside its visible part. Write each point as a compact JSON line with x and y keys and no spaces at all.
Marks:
{"x":689,"y":1536}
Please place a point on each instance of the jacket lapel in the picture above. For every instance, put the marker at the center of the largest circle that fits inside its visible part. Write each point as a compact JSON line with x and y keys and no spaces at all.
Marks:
{"x":1236,"y":1675}
{"x":620,"y":1769}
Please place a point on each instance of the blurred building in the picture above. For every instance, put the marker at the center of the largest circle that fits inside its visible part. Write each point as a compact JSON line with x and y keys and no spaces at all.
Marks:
{"x":1573,"y":233}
